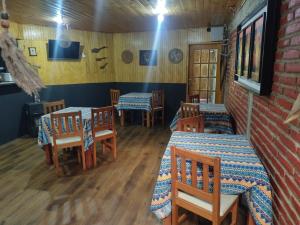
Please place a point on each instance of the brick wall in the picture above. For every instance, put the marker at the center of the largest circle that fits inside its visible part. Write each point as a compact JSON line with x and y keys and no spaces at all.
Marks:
{"x":277,"y":144}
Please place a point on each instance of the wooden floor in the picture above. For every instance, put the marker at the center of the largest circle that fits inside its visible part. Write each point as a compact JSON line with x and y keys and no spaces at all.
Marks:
{"x":115,"y":193}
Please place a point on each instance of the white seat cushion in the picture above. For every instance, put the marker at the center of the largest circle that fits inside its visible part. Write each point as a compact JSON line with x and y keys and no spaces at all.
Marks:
{"x":226,"y":202}
{"x":68,"y":140}
{"x":103,"y":132}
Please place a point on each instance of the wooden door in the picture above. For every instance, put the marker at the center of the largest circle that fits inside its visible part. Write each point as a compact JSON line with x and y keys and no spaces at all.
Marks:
{"x":204,"y":72}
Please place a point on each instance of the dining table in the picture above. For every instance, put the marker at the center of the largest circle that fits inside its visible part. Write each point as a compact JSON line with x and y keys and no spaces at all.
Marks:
{"x":242,"y":172}
{"x":216,"y":118}
{"x":45,"y":137}
{"x":135,"y":101}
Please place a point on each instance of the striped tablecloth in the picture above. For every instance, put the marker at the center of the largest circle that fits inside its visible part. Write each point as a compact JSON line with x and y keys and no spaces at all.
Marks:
{"x":45,"y":131}
{"x":215,"y":115}
{"x":135,"y":101}
{"x":241,"y":172}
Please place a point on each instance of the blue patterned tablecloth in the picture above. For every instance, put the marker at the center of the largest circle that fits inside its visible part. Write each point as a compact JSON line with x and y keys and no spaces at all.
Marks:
{"x":216,"y":118}
{"x":45,"y":131}
{"x":135,"y":101}
{"x":241,"y":172}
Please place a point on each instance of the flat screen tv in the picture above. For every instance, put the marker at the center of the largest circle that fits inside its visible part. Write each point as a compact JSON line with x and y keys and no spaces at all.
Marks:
{"x":57,"y":52}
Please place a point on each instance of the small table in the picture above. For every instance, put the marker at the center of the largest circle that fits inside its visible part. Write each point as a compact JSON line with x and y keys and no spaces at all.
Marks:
{"x":241,"y":172}
{"x":45,"y":138}
{"x":135,"y":101}
{"x":216,"y":117}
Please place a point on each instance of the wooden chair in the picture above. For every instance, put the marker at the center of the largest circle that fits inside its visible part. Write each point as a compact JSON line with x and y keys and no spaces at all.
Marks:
{"x":158,"y":105}
{"x":103,"y":130}
{"x":210,"y":205}
{"x":194,"y":98}
{"x":191,"y":124}
{"x":189,"y":110}
{"x":114,"y":97}
{"x":50,"y":107}
{"x":67,"y":132}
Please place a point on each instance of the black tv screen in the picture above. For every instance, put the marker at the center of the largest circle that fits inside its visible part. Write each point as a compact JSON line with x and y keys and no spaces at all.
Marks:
{"x":57,"y":52}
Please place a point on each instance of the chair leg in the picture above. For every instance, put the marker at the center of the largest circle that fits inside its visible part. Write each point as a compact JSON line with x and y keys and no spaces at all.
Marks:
{"x":56,"y":162}
{"x":234,"y":214}
{"x":83,"y":158}
{"x":153,"y":118}
{"x":95,"y":154}
{"x":174,"y":214}
{"x":114,"y":147}
{"x":103,"y":147}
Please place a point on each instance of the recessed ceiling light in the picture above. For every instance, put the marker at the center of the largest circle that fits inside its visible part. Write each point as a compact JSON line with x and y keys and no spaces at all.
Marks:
{"x":58,"y":19}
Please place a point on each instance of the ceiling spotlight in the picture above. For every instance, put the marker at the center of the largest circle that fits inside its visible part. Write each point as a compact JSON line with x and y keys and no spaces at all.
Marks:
{"x":160,"y":18}
{"x":160,"y":7}
{"x":58,"y":19}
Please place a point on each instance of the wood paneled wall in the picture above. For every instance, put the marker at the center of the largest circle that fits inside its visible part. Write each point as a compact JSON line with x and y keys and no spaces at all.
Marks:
{"x":165,"y":71}
{"x":86,"y":70}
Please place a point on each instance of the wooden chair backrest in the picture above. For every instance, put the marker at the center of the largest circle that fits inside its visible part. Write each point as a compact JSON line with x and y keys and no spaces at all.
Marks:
{"x":103,"y":119}
{"x":191,"y":124}
{"x":210,"y":170}
{"x":189,"y":110}
{"x":158,"y":98}
{"x":50,"y":107}
{"x":66,"y":125}
{"x":194,"y":98}
{"x":114,"y":96}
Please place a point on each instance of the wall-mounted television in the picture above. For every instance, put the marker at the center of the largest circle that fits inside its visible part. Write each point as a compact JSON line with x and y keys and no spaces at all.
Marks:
{"x":57,"y":50}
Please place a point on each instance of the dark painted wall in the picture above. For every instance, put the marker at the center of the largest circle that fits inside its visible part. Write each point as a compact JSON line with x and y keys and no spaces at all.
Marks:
{"x":12,"y":100}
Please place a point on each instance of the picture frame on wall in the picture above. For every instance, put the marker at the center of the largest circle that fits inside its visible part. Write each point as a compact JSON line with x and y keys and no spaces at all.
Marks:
{"x":148,"y":57}
{"x":32,"y":51}
{"x":255,"y":48}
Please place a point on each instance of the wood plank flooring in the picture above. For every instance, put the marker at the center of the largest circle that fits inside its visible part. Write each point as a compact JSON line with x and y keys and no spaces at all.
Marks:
{"x":115,"y":193}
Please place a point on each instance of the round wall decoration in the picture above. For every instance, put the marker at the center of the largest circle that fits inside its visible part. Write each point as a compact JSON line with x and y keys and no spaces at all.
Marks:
{"x":175,"y":55}
{"x":127,"y":56}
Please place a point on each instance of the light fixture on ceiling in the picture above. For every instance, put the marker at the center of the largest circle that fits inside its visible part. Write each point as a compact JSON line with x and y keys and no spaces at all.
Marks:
{"x":160,"y":10}
{"x":58,"y":18}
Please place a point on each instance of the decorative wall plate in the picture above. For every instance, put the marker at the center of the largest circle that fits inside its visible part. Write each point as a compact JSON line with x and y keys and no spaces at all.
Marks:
{"x":175,"y":55}
{"x":127,"y":56}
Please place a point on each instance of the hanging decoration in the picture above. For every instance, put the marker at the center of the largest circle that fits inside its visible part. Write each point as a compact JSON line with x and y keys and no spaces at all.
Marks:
{"x":24,"y":75}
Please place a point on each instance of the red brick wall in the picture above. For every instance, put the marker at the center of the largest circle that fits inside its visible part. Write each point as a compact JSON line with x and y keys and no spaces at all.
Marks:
{"x":277,"y":144}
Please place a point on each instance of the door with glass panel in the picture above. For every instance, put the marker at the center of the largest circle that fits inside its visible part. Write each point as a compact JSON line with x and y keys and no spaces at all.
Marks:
{"x":204,"y":72}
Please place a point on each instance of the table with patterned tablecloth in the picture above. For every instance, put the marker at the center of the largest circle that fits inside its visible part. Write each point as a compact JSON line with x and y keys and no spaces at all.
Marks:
{"x":216,"y":118}
{"x":45,"y":131}
{"x":135,"y":101}
{"x":241,"y":172}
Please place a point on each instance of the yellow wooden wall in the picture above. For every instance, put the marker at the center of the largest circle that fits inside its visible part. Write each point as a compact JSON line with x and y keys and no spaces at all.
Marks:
{"x":86,"y":70}
{"x":165,"y":71}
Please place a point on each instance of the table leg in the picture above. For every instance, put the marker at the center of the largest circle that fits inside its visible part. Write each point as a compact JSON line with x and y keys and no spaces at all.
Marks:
{"x":122,"y":118}
{"x":250,"y":220}
{"x":148,"y":119}
{"x":167,"y":220}
{"x":89,"y":157}
{"x":48,"y":154}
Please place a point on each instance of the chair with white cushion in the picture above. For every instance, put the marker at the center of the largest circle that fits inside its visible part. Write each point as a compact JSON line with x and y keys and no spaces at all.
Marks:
{"x":67,"y":132}
{"x":204,"y":200}
{"x":103,"y":130}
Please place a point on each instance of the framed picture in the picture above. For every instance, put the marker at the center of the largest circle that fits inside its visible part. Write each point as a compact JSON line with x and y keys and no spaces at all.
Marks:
{"x":255,"y":48}
{"x":32,"y":51}
{"x":148,"y":57}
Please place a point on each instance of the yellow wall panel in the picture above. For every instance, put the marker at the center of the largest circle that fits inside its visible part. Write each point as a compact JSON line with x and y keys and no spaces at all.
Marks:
{"x":87,"y":70}
{"x":165,"y":71}
{"x":53,"y":72}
